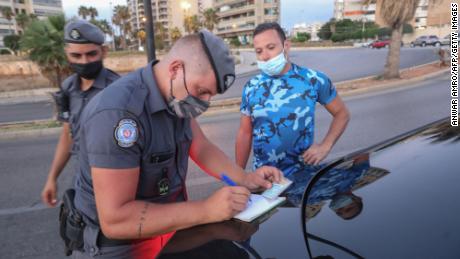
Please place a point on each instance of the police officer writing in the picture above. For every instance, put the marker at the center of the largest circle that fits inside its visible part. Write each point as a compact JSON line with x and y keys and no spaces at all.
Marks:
{"x":85,"y":51}
{"x":136,"y":138}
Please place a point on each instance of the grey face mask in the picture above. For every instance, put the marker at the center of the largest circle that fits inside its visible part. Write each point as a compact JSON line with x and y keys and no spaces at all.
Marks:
{"x":190,"y":107}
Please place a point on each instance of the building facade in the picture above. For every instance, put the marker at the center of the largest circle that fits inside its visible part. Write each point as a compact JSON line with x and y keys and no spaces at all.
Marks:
{"x":239,"y":18}
{"x":39,"y":8}
{"x":170,"y":13}
{"x":311,"y":29}
{"x":354,"y":10}
{"x":431,"y":17}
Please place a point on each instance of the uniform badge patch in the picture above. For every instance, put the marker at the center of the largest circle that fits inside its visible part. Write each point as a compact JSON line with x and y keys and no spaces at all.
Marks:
{"x":75,"y":34}
{"x":126,"y":133}
{"x":163,"y":186}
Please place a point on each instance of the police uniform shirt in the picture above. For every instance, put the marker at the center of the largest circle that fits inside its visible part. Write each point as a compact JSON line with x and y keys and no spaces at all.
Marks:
{"x":129,"y":125}
{"x":78,"y":99}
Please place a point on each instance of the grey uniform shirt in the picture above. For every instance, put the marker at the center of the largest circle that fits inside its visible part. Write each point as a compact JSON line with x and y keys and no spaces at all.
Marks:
{"x":78,"y":99}
{"x":154,"y":140}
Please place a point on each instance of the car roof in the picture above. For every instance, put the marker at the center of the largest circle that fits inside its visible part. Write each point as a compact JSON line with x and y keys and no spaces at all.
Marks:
{"x":409,"y":188}
{"x":409,"y":194}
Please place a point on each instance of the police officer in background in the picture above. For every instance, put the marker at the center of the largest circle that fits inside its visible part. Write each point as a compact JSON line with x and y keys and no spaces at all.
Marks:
{"x":136,"y":138}
{"x":85,"y":52}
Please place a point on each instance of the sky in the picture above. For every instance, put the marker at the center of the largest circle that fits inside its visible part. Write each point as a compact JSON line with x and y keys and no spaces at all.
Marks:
{"x":292,"y":11}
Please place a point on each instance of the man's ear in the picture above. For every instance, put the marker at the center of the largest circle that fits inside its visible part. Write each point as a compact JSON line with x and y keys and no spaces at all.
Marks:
{"x":174,"y":67}
{"x":105,"y":51}
{"x":287,"y":47}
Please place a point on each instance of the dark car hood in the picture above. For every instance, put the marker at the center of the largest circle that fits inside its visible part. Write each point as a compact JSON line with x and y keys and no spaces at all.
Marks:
{"x":409,"y":188}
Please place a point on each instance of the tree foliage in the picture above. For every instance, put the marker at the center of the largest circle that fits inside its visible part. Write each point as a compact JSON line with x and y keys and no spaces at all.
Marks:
{"x":210,"y":18}
{"x":43,"y":40}
{"x":12,"y":42}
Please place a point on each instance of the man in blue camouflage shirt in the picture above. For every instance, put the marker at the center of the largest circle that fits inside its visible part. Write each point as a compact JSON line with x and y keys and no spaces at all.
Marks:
{"x":278,"y":108}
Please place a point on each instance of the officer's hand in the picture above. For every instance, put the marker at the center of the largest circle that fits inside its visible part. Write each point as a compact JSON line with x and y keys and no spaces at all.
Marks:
{"x":49,"y":193}
{"x":262,"y":178}
{"x":226,"y":203}
{"x":315,"y":154}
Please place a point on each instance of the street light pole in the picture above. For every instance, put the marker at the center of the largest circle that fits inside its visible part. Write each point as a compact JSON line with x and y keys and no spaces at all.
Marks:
{"x":149,"y":30}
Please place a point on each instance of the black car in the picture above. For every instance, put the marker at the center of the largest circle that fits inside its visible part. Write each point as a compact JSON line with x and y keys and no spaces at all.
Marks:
{"x":397,"y":199}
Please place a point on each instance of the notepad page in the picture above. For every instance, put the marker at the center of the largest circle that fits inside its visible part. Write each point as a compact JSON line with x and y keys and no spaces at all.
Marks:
{"x":258,"y":206}
{"x":277,"y":189}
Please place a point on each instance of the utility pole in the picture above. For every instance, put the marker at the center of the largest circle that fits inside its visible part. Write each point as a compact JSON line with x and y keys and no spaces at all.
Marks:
{"x":114,"y":48}
{"x":149,"y":30}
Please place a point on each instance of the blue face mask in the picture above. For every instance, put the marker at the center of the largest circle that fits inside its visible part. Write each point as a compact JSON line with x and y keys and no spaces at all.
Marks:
{"x":340,"y":202}
{"x":274,"y":66}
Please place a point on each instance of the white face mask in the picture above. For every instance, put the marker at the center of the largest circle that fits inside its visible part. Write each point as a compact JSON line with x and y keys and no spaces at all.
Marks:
{"x":274,"y":66}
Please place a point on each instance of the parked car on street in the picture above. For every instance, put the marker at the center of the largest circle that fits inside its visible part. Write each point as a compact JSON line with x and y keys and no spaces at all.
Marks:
{"x":445,"y":40}
{"x":396,"y":199}
{"x":380,"y":44}
{"x":423,"y":41}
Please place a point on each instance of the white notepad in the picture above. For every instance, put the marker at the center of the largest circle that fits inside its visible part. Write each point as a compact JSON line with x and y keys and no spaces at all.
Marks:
{"x":258,"y":206}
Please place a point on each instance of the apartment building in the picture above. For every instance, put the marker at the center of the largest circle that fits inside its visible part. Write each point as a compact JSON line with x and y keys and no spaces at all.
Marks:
{"x":40,"y":8}
{"x":354,"y":10}
{"x":170,"y":13}
{"x":430,"y":17}
{"x":239,"y":18}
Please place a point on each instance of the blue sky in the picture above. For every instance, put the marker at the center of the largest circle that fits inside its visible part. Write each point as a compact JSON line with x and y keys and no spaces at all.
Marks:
{"x":292,"y":11}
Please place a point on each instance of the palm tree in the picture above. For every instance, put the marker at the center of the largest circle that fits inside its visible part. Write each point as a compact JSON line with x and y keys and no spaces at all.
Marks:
{"x":103,"y":25}
{"x":83,"y":11}
{"x":8,"y":14}
{"x":43,"y":40}
{"x":175,"y":34}
{"x":210,"y":19}
{"x":22,"y":20}
{"x":160,"y":35}
{"x":92,"y":12}
{"x":120,"y":18}
{"x":395,"y":14}
{"x":141,"y":35}
{"x":191,"y":24}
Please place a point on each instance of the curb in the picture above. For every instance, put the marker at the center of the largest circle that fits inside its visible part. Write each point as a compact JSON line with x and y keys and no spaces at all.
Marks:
{"x":306,"y":48}
{"x":236,"y":101}
{"x":232,"y":104}
{"x":27,"y":93}
{"x":391,"y":85}
{"x":29,"y":133}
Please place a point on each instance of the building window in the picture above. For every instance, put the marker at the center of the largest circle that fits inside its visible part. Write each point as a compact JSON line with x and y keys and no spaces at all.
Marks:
{"x":6,"y":31}
{"x":48,"y":2}
{"x":270,"y":11}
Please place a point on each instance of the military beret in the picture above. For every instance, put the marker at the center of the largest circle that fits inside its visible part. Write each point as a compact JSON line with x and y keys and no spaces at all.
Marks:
{"x":219,"y":57}
{"x":81,"y":32}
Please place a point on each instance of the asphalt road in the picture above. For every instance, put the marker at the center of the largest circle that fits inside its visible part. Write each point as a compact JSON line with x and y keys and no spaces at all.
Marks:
{"x":29,"y":230}
{"x":338,"y":64}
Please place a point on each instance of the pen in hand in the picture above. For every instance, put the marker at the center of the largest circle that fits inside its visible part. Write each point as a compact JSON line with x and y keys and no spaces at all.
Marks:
{"x":227,"y":180}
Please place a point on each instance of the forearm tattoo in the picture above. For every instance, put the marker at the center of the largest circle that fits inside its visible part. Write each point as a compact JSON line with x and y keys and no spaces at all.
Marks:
{"x":142,"y":219}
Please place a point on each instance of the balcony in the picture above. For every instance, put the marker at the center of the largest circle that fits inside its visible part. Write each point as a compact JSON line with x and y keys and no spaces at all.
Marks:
{"x":239,"y":10}
{"x":218,"y":4}
{"x":235,"y":28}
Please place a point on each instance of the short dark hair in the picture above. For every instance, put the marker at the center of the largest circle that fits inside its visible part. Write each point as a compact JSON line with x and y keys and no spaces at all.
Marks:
{"x":270,"y":26}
